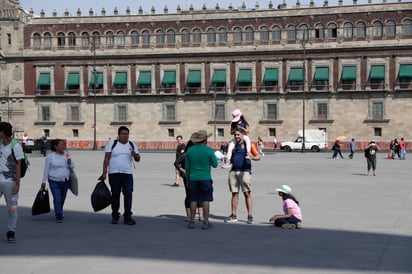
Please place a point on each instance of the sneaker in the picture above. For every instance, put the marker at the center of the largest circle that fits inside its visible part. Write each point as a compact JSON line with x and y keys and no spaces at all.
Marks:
{"x":250,"y":219}
{"x":175,"y":185}
{"x":299,"y":225}
{"x":59,"y":221}
{"x":206,"y":226}
{"x":129,"y":222}
{"x":226,"y":166}
{"x":288,"y":226}
{"x":11,"y":236}
{"x":232,"y":218}
{"x":191,"y":225}
{"x":115,"y":221}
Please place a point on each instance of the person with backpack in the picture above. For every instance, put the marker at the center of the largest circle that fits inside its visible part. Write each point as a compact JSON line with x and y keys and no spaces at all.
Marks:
{"x":370,"y":155}
{"x":118,"y":159}
{"x":10,"y":161}
{"x":57,"y":172}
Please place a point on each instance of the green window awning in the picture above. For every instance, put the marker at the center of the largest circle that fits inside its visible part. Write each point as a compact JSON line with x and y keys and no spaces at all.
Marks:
{"x":296,"y":74}
{"x":321,"y":74}
{"x":169,"y":77}
{"x":244,"y":76}
{"x":145,"y":78}
{"x":194,"y":77}
{"x":120,"y":78}
{"x":219,"y":76}
{"x":348,"y":73}
{"x":99,"y":76}
{"x":44,"y":79}
{"x":271,"y":75}
{"x":73,"y":79}
{"x":377,"y":73}
{"x":405,"y":71}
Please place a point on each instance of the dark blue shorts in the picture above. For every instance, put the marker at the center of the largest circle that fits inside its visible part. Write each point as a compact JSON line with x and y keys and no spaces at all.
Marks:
{"x":201,"y":191}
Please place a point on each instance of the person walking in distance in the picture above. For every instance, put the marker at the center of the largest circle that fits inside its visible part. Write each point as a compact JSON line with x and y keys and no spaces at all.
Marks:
{"x":370,"y":155}
{"x":118,"y":159}
{"x":351,"y":148}
{"x":240,"y":177}
{"x":402,"y":149}
{"x":57,"y":172}
{"x":10,"y":176}
{"x":199,"y":160}
{"x":180,"y":149}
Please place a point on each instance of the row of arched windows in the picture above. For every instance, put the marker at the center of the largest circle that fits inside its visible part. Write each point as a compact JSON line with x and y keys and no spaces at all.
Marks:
{"x":195,"y":36}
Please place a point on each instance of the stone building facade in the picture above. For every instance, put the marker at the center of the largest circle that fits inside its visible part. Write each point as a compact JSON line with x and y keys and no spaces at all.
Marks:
{"x":348,"y":68}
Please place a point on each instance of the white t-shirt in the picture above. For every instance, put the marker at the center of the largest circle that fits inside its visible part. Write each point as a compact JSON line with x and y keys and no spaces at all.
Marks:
{"x":121,"y":158}
{"x":7,"y":162}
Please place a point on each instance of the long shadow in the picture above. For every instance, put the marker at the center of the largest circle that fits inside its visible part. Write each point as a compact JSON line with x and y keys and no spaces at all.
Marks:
{"x":166,"y":238}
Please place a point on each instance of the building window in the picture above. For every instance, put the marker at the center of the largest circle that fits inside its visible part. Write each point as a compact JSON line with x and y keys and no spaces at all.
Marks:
{"x":237,"y":35}
{"x":96,"y":38}
{"x":185,"y":37}
{"x":110,"y":38}
{"x":276,"y":34}
{"x":390,"y":28}
{"x":272,"y":132}
{"x":45,"y":113}
{"x":171,"y":37}
{"x":121,"y":38}
{"x":47,"y":40}
{"x":211,"y":35}
{"x":407,"y":27}
{"x":160,"y":37}
{"x":146,"y":38}
{"x":377,"y":132}
{"x":321,"y":111}
{"x":73,"y":113}
{"x":332,"y":31}
{"x":46,"y":133}
{"x":75,"y":133}
{"x":264,"y":34}
{"x":222,"y":35}
{"x":249,"y":34}
{"x":219,"y":113}
{"x":171,"y":132}
{"x":377,"y":29}
{"x":377,"y":111}
{"x":120,"y":81}
{"x":9,"y":39}
{"x":319,"y":31}
{"x":361,"y":30}
{"x":221,"y":132}
{"x":197,"y":36}
{"x":85,"y":39}
{"x":291,"y":33}
{"x":271,"y":111}
{"x":120,"y":111}
{"x":169,"y":113}
{"x":36,"y":40}
{"x":71,"y":39}
{"x":134,"y":37}
{"x":304,"y":33}
{"x":348,"y":30}
{"x":61,"y":40}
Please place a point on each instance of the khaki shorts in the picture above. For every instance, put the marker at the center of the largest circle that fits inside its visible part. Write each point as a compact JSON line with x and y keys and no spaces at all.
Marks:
{"x":240,"y":179}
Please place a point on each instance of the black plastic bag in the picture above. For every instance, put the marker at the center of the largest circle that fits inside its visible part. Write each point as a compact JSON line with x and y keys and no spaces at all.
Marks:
{"x":41,"y":203}
{"x":101,"y":196}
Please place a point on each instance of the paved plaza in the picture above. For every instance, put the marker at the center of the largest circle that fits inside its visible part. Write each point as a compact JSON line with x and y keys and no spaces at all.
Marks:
{"x":353,"y":223}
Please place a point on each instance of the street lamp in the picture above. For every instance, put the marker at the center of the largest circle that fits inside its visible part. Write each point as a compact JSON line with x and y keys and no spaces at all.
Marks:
{"x":9,"y":110}
{"x":94,"y":91}
{"x":303,"y":93}
{"x":214,"y":116}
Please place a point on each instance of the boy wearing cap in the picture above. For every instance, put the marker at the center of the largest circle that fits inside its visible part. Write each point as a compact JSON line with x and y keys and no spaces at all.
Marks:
{"x":292,"y":215}
{"x":10,"y":176}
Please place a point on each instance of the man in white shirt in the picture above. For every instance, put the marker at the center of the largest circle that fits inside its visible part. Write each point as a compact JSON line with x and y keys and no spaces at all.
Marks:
{"x":118,"y":163}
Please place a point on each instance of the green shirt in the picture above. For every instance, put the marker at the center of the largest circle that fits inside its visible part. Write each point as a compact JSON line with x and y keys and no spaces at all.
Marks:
{"x":198,"y":162}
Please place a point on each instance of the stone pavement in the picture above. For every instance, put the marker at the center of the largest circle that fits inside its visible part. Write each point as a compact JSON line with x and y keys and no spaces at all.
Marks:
{"x":353,"y":223}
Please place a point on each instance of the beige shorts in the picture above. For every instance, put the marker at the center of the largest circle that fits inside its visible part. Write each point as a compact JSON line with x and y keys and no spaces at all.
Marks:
{"x":240,"y":179}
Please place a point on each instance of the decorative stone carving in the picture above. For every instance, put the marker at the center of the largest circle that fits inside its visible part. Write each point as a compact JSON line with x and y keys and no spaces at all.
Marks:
{"x":17,"y":73}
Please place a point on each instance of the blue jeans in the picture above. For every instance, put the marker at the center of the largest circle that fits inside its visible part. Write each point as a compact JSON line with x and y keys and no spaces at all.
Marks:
{"x":121,"y":182}
{"x":59,"y":192}
{"x":292,"y":220}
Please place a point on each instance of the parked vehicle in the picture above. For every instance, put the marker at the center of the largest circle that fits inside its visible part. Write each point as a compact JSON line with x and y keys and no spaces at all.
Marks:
{"x":28,"y":147}
{"x":315,"y":140}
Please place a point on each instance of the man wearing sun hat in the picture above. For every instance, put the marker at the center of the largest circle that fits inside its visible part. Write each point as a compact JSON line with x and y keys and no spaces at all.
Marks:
{"x":199,"y":160}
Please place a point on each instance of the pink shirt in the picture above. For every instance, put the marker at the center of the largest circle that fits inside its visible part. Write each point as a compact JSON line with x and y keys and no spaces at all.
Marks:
{"x":289,"y":203}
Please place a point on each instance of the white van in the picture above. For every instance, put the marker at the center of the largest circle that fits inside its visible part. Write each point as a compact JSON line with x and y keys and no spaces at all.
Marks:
{"x":315,"y":140}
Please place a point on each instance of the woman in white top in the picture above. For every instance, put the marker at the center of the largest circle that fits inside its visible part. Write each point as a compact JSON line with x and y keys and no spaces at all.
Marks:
{"x":56,"y":171}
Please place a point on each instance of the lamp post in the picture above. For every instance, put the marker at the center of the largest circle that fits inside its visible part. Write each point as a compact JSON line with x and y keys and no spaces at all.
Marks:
{"x":303,"y":92}
{"x":94,"y":91}
{"x":214,"y":115}
{"x":9,"y":110}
